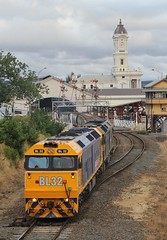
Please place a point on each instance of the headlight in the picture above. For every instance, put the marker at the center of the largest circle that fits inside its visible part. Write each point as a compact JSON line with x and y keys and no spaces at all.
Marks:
{"x":35,"y":199}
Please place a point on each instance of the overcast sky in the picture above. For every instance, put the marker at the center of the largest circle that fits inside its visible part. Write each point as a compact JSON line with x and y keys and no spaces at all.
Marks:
{"x":67,"y":36}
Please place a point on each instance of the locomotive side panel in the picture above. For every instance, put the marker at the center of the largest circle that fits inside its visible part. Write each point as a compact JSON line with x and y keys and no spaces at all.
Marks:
{"x":108,"y":143}
{"x":91,"y":160}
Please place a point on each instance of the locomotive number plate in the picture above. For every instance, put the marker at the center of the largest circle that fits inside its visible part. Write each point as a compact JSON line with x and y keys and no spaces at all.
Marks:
{"x":50,"y":181}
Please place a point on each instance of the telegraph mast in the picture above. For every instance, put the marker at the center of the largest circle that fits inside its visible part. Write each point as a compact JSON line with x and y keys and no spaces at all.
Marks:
{"x":74,"y":86}
{"x":95,"y":90}
{"x":63,"y":89}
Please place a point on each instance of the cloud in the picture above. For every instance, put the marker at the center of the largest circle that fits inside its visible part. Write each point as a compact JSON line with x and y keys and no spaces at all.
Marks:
{"x":76,"y":36}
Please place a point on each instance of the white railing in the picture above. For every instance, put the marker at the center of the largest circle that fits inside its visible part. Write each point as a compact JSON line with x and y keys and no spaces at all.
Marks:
{"x":124,"y":123}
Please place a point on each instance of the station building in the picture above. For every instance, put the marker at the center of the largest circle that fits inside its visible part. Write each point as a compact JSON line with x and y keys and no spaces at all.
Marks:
{"x":156,"y":105}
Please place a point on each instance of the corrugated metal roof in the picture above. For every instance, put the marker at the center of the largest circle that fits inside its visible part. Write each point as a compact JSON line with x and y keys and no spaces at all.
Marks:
{"x":120,"y":92}
{"x":155,"y":90}
{"x":121,"y":102}
{"x":144,"y":83}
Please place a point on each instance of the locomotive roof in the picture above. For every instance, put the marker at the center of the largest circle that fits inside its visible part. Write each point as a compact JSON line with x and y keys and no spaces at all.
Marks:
{"x":76,"y":131}
{"x":81,"y":136}
{"x":94,"y":123}
{"x":76,"y":138}
{"x":102,"y":125}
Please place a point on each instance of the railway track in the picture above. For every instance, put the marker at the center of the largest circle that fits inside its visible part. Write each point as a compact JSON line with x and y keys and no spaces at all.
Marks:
{"x":136,"y":147}
{"x":125,"y":158}
{"x":128,"y":147}
{"x":49,"y":231}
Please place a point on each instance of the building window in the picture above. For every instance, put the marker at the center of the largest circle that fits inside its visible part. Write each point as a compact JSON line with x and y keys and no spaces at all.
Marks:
{"x":84,"y":86}
{"x":111,"y":85}
{"x":164,"y":95}
{"x":163,"y":109}
{"x":157,"y":95}
{"x":123,"y":76}
{"x":122,"y":62}
{"x":91,"y":86}
{"x":134,"y":83}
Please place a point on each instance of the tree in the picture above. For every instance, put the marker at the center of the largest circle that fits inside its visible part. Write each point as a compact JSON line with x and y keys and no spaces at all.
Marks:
{"x":72,"y":76}
{"x":69,"y":78}
{"x":15,"y":131}
{"x":45,"y":124}
{"x":17,"y":81}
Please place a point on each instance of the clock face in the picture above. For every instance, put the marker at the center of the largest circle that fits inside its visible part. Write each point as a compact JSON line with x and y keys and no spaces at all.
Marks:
{"x":122,"y":44}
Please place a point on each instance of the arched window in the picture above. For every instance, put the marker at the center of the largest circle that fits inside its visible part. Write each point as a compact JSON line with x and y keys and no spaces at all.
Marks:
{"x":134,"y":83}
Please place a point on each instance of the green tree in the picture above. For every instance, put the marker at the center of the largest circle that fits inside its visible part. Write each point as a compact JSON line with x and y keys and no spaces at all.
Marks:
{"x":45,"y":124}
{"x":17,"y":81}
{"x":69,"y":78}
{"x":15,"y":131}
{"x":72,"y":76}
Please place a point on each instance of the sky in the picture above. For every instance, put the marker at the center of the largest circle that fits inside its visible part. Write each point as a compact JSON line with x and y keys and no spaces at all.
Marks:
{"x":57,"y":37}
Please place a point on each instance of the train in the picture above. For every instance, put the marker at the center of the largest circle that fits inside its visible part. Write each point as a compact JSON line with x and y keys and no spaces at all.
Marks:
{"x":61,"y":171}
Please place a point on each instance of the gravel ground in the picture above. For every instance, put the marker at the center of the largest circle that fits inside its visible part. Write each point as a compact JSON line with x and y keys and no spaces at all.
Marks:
{"x":131,"y":206}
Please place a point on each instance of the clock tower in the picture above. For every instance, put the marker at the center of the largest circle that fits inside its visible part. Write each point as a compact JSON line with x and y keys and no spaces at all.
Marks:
{"x":121,"y":76}
{"x":120,"y":52}
{"x":124,"y":77}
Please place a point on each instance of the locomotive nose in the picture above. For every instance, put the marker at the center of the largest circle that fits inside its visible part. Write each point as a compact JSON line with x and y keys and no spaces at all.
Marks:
{"x":50,"y":205}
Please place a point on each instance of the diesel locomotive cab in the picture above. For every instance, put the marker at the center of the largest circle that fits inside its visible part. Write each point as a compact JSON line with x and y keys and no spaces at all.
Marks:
{"x":51,"y":181}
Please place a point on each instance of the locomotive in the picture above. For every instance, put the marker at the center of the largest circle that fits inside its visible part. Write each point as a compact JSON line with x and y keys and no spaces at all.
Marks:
{"x":61,"y":171}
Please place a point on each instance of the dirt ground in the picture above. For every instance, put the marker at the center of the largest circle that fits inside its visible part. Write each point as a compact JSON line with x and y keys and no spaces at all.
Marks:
{"x":145,"y":200}
{"x":11,"y":190}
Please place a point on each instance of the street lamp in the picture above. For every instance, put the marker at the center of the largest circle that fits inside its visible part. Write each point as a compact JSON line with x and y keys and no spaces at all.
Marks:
{"x":156,"y":70}
{"x":41,"y":71}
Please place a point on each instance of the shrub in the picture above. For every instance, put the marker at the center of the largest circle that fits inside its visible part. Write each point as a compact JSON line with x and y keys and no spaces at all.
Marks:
{"x":15,"y":131}
{"x":11,"y":154}
{"x":45,"y":124}
{"x":18,"y":132}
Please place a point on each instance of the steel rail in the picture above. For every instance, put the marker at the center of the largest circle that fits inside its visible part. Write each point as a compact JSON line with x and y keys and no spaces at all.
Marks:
{"x":28,"y":230}
{"x":125,"y":166}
